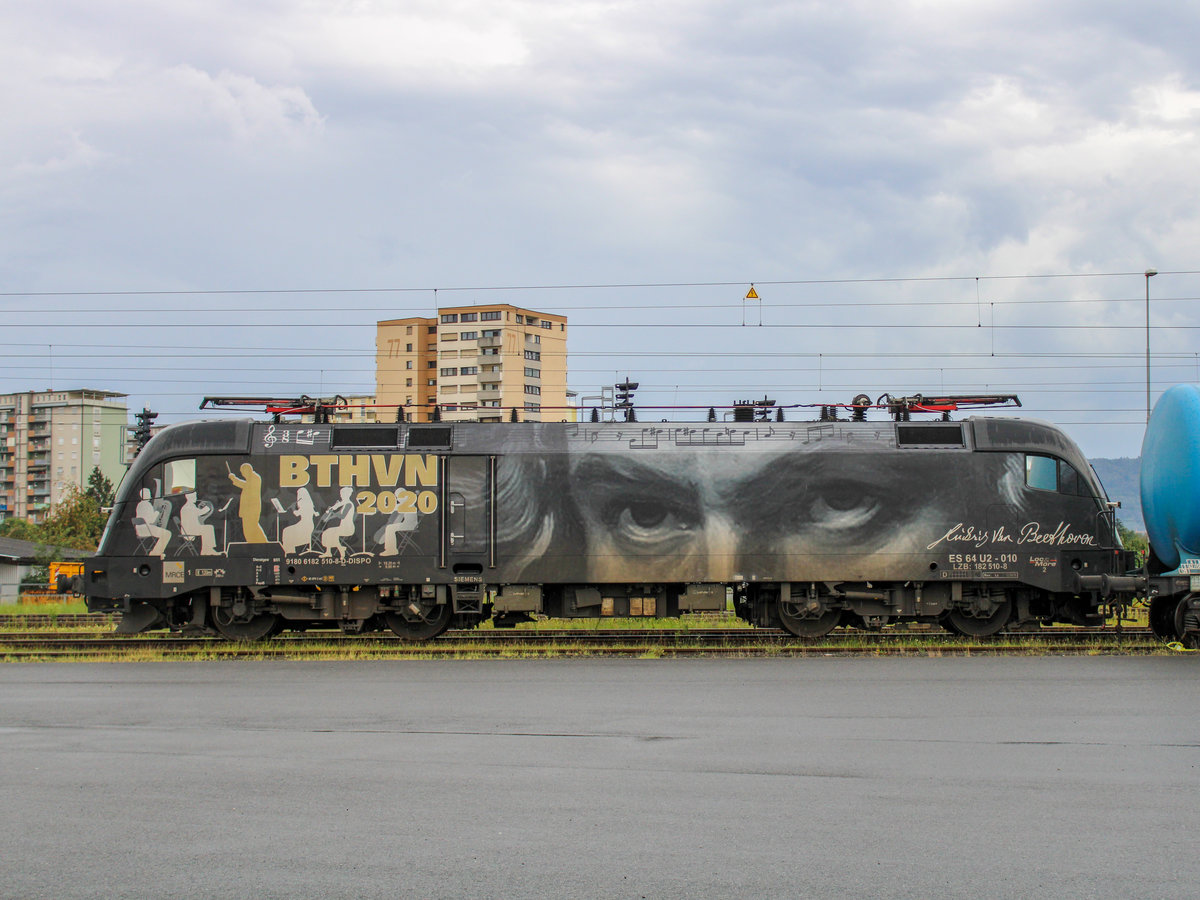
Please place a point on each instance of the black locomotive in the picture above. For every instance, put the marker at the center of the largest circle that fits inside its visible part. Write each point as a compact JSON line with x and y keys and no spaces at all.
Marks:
{"x":250,"y":527}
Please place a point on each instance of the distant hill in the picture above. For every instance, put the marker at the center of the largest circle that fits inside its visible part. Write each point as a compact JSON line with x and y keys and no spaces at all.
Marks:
{"x":1121,"y":482}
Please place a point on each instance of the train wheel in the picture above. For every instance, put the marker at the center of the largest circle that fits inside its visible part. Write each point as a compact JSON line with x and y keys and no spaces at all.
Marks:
{"x":808,"y":626}
{"x":421,"y":624}
{"x":1162,"y":618}
{"x":1168,"y":619}
{"x":244,"y":628}
{"x":977,"y":624}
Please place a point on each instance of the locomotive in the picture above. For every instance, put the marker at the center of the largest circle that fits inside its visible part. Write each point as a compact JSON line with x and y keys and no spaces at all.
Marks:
{"x":250,"y":527}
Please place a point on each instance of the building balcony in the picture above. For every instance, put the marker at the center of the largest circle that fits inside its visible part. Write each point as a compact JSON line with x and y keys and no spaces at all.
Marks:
{"x":490,"y":342}
{"x":488,"y":392}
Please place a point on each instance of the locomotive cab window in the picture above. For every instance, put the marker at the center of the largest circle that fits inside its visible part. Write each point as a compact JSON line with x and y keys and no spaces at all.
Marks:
{"x":179,"y":476}
{"x":1046,"y":473}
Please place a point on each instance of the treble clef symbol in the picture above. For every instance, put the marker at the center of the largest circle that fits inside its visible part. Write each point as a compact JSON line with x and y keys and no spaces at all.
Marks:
{"x":269,"y":438}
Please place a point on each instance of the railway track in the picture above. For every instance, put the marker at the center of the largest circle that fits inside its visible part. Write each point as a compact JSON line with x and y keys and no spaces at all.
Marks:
{"x":712,"y":642}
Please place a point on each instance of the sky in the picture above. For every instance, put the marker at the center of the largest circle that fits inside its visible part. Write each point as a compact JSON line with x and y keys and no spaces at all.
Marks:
{"x":222,"y":198}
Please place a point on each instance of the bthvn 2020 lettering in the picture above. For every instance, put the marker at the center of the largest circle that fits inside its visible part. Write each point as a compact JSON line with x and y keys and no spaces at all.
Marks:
{"x":364,"y":470}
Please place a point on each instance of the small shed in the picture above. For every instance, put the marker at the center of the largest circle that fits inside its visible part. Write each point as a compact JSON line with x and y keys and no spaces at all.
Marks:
{"x":17,"y":558}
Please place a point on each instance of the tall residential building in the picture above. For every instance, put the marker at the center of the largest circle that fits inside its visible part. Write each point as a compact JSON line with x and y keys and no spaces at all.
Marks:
{"x":474,"y":362}
{"x":52,"y":439}
{"x":358,"y":410}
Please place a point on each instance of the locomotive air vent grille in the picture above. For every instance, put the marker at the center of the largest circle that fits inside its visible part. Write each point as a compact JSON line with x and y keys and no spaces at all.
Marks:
{"x":932,"y":435}
{"x":433,"y":437}
{"x":347,"y":436}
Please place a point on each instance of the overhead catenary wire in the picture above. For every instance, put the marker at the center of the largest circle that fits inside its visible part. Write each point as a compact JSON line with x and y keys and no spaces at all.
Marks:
{"x":1071,"y":334}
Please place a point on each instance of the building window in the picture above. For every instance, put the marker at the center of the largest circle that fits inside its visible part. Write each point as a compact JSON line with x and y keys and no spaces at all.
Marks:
{"x":408,"y":348}
{"x":533,"y":338}
{"x":432,"y":329}
{"x":449,"y":336}
{"x":533,"y":407}
{"x":532,"y":389}
{"x":408,"y":364}
{"x":547,"y":324}
{"x":469,"y":336}
{"x":520,"y":319}
{"x":493,"y":316}
{"x":448,"y":372}
{"x":531,"y":320}
{"x":408,"y":329}
{"x":432,"y":382}
{"x":532,"y":373}
{"x":449,"y":318}
{"x":533,"y":354}
{"x":469,"y":370}
{"x":491,"y":351}
{"x":491,"y":332}
{"x":432,"y":364}
{"x":469,"y":317}
{"x":408,"y":382}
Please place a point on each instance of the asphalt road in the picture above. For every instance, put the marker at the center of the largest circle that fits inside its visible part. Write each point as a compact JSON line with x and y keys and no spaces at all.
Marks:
{"x":1063,"y":777}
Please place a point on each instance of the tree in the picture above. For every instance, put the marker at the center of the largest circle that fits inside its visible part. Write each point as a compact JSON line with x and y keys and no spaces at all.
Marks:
{"x":100,"y":488}
{"x":1134,"y":540}
{"x":19,"y":529}
{"x":76,"y":522}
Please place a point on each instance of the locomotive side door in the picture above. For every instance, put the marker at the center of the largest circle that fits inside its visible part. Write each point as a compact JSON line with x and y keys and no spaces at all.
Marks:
{"x":468,"y":533}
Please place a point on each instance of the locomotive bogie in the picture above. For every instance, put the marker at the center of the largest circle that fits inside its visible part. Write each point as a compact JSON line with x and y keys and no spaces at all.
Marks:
{"x":247,"y":528}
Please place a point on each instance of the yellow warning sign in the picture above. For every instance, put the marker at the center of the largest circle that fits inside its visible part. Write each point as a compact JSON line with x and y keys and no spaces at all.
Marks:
{"x":752,"y":294}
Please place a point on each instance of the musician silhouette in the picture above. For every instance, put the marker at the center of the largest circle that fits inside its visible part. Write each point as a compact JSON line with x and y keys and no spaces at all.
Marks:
{"x":193,"y":522}
{"x":299,"y":534}
{"x":343,"y":513}
{"x":147,"y":523}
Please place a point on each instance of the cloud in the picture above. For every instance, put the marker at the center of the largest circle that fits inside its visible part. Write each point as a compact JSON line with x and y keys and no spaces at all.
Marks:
{"x":297,"y":144}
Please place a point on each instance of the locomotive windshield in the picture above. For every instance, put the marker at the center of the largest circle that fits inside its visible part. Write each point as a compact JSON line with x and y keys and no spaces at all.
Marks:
{"x":1046,"y":473}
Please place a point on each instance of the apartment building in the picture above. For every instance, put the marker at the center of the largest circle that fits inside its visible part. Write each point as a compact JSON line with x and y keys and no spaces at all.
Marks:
{"x":358,"y":410}
{"x":52,"y":439}
{"x":477,"y":362}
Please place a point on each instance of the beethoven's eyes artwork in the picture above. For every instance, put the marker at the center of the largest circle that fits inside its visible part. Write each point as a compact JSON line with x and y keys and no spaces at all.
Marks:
{"x":661,"y":506}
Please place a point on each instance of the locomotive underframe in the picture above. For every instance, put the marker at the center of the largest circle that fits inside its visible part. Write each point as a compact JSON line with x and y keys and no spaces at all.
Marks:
{"x":424,"y":610}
